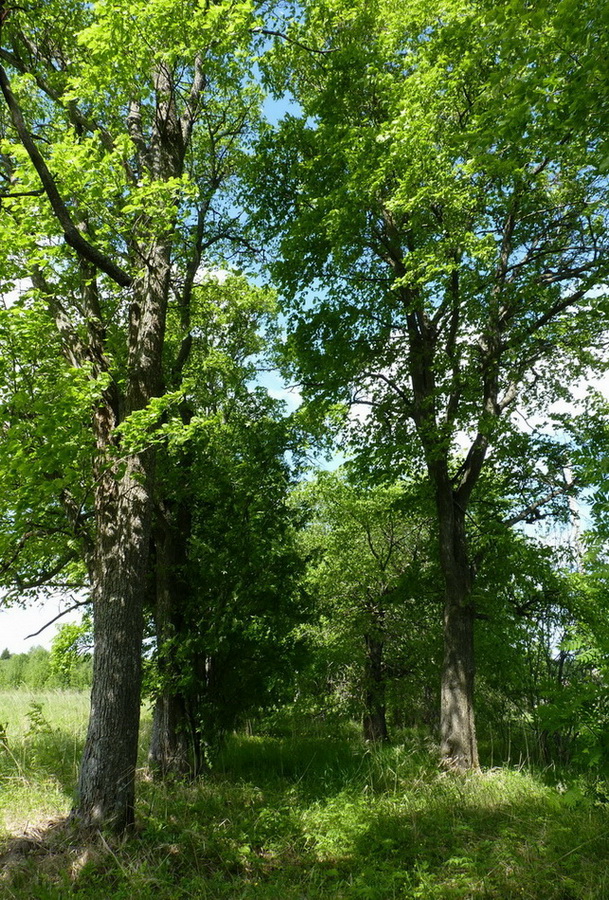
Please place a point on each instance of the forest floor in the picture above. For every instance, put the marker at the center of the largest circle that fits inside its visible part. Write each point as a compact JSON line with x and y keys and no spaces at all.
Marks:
{"x":294,"y":818}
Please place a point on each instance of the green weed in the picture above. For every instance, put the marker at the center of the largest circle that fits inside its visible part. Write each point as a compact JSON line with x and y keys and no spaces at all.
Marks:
{"x":301,"y":817}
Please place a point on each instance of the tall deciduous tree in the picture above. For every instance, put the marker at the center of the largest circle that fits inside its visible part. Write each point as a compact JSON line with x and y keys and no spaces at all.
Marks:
{"x":122,"y":122}
{"x":440,"y":219}
{"x":224,"y":560}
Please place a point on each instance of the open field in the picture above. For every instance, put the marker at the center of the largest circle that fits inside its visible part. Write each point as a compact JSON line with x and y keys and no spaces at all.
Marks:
{"x":295,"y":818}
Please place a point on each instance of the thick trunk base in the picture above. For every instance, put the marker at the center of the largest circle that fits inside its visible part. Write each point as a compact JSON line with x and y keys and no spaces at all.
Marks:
{"x":170,"y":753}
{"x":458,"y":744}
{"x":106,"y":787}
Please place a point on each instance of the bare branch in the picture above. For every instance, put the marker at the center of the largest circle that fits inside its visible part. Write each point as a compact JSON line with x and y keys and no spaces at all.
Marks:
{"x":547,"y":317}
{"x":391,"y":384}
{"x":59,"y":616}
{"x":268,"y":32}
{"x":530,"y":512}
{"x":10,"y":196}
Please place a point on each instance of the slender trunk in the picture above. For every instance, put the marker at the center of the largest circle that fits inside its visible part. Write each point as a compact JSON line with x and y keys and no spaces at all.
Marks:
{"x":458,"y":743}
{"x":170,"y":752}
{"x":375,"y":721}
{"x":171,"y":746}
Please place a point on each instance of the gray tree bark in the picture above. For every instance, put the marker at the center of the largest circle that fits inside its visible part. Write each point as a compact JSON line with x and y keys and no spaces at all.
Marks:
{"x":374,"y":719}
{"x":458,"y":743}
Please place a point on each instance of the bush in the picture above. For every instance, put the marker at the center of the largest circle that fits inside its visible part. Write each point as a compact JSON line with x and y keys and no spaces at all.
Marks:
{"x":38,"y":669}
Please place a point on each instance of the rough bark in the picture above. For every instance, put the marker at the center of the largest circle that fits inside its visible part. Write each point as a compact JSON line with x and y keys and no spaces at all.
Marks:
{"x":170,"y":752}
{"x":374,"y":720}
{"x":106,"y":787}
{"x":124,"y":480}
{"x":171,"y":747}
{"x":457,"y":724}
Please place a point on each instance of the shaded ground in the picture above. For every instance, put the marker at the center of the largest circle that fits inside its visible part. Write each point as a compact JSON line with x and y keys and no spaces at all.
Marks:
{"x":322,"y":818}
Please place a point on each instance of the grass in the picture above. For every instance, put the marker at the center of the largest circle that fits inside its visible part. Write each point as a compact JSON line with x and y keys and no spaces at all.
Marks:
{"x":305,"y":817}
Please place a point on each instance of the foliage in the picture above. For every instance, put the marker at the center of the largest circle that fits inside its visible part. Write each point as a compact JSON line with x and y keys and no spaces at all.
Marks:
{"x":70,"y":661}
{"x":42,"y":669}
{"x":225,"y":565}
{"x":371,"y":576}
{"x":145,"y":110}
{"x":439,"y":220}
{"x":580,"y":709}
{"x":45,"y":460}
{"x":435,"y":208}
{"x":234,"y":649}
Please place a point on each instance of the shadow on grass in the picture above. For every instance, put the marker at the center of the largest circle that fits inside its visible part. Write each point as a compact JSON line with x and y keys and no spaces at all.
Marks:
{"x":308,"y":819}
{"x":471,"y":847}
{"x":49,"y":754}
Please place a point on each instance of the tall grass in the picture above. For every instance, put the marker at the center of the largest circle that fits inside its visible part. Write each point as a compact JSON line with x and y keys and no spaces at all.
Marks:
{"x":322,"y":816}
{"x":42,"y":734}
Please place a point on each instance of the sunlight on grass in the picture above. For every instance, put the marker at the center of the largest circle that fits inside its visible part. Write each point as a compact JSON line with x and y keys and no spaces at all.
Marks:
{"x":42,"y":737}
{"x":42,"y":734}
{"x":301,"y":818}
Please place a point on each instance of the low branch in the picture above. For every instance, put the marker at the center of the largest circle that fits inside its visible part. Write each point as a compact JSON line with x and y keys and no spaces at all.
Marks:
{"x":46,"y":577}
{"x":55,"y":618}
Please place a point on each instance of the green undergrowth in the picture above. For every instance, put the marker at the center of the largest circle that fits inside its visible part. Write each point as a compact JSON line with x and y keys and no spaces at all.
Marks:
{"x":304,"y":817}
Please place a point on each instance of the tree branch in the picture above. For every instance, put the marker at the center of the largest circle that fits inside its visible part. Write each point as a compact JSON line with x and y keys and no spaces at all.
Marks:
{"x":10,"y":196}
{"x":529,"y":512}
{"x":76,"y":115}
{"x":55,"y":618}
{"x":71,"y":233}
{"x":268,"y":32}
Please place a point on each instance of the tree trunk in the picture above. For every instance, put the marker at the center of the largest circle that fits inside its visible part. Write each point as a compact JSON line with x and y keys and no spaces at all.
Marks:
{"x":374,"y":721}
{"x":106,"y":788}
{"x":458,"y":743}
{"x":123,"y":506}
{"x":124,"y":482}
{"x":171,"y":747}
{"x":170,"y":751}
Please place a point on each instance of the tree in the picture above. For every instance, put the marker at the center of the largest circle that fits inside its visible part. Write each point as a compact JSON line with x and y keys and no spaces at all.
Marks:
{"x":225,"y":566}
{"x":142,"y":107}
{"x":71,"y":654}
{"x":440,"y":224}
{"x":370,"y":575}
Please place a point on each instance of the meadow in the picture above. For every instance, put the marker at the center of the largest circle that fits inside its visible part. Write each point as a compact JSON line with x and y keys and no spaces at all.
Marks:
{"x":301,"y":816}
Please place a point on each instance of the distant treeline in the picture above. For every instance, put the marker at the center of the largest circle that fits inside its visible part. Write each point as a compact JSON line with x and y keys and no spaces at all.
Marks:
{"x":40,"y":668}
